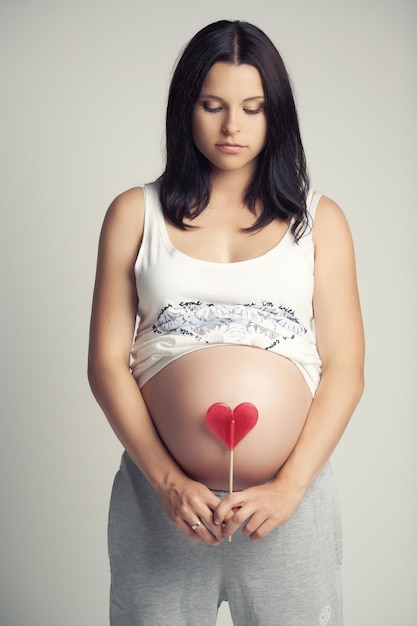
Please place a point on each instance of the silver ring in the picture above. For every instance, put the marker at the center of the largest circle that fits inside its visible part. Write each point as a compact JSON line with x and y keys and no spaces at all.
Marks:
{"x":196,"y":525}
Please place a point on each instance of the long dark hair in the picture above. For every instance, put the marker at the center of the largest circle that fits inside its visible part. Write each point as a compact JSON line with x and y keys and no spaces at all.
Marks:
{"x":280,"y":182}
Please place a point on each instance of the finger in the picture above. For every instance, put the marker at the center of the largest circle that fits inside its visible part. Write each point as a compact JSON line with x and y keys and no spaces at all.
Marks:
{"x":200,"y":522}
{"x":209,"y":526}
{"x":254,"y":523}
{"x":200,"y":532}
{"x":240,"y":516}
{"x":196,"y":525}
{"x":205,"y":512}
{"x":225,"y":511}
{"x":262,"y":531}
{"x":195,"y":516}
{"x":212,"y":529}
{"x":187,"y":530}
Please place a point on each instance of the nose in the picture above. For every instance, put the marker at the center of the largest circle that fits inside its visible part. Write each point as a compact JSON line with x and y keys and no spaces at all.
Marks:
{"x":230,"y":124}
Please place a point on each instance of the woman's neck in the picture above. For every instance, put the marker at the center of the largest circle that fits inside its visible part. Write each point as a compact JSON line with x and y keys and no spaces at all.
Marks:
{"x":230,"y":185}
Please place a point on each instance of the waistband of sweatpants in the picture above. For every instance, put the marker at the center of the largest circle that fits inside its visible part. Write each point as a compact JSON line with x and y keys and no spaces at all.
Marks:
{"x":220,"y":493}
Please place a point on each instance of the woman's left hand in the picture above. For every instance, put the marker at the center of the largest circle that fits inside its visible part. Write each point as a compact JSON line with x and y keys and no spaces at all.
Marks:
{"x":263,"y":508}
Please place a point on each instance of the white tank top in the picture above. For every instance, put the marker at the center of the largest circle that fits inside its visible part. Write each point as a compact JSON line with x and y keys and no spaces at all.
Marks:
{"x":185,"y":304}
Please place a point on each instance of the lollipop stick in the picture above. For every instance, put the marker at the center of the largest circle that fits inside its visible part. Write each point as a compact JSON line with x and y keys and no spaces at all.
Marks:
{"x":231,"y":448}
{"x":230,"y":427}
{"x":231,"y":471}
{"x":230,"y":479}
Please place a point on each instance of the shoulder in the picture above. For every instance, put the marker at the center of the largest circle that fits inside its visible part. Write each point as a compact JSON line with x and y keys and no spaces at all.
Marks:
{"x":122,"y":228}
{"x":330,"y":224}
{"x":127,"y":209}
{"x":126,"y":212}
{"x":334,"y":255}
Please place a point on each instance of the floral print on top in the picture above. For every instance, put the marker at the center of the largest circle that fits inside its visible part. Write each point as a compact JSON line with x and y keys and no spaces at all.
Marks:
{"x":261,"y":325}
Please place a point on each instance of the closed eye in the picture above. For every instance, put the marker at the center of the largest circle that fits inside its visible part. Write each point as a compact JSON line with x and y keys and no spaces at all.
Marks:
{"x":211,"y":109}
{"x":254,"y":111}
{"x":216,"y":109}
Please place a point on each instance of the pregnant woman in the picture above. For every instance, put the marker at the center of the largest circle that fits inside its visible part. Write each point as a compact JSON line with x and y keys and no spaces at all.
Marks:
{"x":227,"y":280}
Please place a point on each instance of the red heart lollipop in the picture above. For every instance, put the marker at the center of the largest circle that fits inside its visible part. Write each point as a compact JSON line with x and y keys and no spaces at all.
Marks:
{"x":231,"y":426}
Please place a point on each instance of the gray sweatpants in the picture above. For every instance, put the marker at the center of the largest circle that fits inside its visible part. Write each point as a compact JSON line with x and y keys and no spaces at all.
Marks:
{"x":160,"y":577}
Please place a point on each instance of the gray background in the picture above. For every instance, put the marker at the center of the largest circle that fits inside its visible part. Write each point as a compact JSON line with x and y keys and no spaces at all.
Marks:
{"x":82,"y":107}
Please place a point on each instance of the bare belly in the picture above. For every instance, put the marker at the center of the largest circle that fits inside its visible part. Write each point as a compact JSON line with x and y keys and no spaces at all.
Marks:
{"x":179,"y":396}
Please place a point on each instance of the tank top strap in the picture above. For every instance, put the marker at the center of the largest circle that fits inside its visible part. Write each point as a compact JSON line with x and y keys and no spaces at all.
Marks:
{"x":313,"y":198}
{"x":153,"y":213}
{"x":151,"y":226}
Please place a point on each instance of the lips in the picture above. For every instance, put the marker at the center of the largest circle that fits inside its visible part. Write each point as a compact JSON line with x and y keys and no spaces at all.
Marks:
{"x":230,"y":148}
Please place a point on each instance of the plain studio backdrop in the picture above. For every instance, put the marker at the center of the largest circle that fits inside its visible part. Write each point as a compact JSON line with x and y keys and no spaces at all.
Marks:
{"x":84,"y":88}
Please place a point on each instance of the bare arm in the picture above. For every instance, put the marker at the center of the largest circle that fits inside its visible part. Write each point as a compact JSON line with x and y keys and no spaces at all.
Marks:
{"x":341,"y":347}
{"x":111,"y":332}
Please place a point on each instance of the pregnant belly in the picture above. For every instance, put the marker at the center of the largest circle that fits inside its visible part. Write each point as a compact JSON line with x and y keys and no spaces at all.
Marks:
{"x":179,"y":396}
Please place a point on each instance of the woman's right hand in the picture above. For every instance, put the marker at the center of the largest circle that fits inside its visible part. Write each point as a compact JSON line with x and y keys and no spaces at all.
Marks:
{"x":189,"y":503}
{"x":113,"y":319}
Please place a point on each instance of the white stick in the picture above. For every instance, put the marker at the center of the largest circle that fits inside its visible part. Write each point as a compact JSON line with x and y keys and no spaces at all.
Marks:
{"x":231,"y":471}
{"x":231,"y":478}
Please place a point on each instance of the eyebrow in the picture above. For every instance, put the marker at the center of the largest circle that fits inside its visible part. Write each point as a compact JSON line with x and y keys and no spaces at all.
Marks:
{"x":213,"y":97}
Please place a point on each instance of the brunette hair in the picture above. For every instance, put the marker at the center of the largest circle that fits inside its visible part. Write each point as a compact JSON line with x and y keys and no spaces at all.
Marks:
{"x":280,"y":183}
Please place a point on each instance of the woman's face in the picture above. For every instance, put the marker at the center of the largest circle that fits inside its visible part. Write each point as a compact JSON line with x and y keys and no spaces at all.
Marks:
{"x":229,"y":121}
